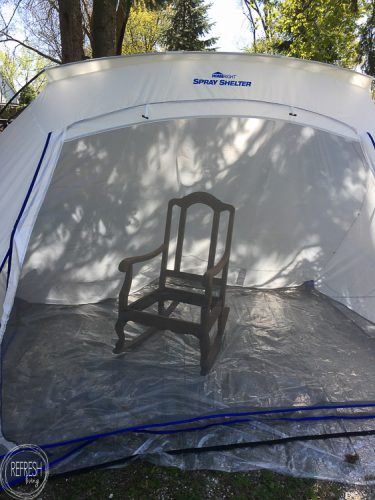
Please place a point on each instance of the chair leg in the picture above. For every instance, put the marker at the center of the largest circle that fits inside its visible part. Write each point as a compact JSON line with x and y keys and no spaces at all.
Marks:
{"x":119,"y":327}
{"x":210,"y":349}
{"x":222,"y":321}
{"x":121,"y":346}
{"x":205,"y":347}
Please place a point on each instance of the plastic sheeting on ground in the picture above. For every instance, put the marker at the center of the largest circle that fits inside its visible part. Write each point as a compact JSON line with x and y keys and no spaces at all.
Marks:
{"x":284,"y":348}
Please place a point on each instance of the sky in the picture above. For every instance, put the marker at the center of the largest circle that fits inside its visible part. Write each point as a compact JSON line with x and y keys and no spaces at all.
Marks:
{"x":232,"y":26}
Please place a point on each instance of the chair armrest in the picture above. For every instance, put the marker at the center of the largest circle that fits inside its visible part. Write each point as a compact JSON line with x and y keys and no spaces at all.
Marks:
{"x":213,"y":271}
{"x":209,"y":275}
{"x":125,"y":264}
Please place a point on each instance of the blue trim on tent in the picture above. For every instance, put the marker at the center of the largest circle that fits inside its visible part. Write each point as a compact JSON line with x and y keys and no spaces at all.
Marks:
{"x":8,"y":257}
{"x":192,"y":429}
{"x":294,"y":409}
{"x":140,"y":428}
{"x":371,"y":139}
{"x":318,"y":418}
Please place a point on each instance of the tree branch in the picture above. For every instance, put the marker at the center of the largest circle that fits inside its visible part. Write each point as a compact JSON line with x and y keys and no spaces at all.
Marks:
{"x":252,"y":26}
{"x":252,"y":5}
{"x":13,"y":14}
{"x":262,"y":18}
{"x":9,"y":38}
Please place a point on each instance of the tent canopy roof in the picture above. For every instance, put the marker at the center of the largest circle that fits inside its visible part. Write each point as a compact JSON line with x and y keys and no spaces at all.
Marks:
{"x":88,"y":66}
{"x":204,"y":83}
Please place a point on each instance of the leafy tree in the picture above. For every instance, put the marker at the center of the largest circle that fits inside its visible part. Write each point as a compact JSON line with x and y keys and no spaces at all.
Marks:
{"x":8,"y":69}
{"x":366,"y":49}
{"x":262,"y":45}
{"x":319,"y":30}
{"x":69,"y":30}
{"x":310,"y":29}
{"x":189,"y":23}
{"x":109,"y":21}
{"x":27,"y":95}
{"x":263,"y":15}
{"x":19,"y":68}
{"x":145,"y":30}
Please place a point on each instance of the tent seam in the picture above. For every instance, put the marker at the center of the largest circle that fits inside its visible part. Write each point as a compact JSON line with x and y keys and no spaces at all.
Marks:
{"x":186,"y":101}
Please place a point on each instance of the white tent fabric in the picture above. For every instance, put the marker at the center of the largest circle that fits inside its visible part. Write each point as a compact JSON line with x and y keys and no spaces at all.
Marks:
{"x":87,"y":171}
{"x":289,"y":141}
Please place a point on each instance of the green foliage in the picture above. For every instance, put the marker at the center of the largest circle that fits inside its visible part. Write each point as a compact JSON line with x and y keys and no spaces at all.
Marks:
{"x":319,"y":30}
{"x":265,"y":46}
{"x":27,"y":95}
{"x":145,"y":30}
{"x":263,"y":16}
{"x":8,"y":68}
{"x":189,"y":24}
{"x":366,"y":49}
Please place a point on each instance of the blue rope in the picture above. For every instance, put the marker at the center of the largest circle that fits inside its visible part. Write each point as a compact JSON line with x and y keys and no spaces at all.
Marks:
{"x":139,"y":428}
{"x":247,"y":420}
{"x":145,"y":428}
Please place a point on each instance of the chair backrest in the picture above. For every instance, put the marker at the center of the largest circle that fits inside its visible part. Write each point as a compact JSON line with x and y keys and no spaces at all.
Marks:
{"x":184,"y":203}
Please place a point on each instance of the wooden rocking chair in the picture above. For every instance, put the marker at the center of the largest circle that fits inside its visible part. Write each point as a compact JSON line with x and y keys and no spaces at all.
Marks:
{"x":210,"y":294}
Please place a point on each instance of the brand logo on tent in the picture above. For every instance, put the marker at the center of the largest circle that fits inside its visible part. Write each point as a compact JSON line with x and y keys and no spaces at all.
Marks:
{"x":221,"y":79}
{"x":219,"y":74}
{"x":25,"y":466}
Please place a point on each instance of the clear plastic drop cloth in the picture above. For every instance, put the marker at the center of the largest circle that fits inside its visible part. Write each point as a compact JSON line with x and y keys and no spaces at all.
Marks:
{"x":300,"y":362}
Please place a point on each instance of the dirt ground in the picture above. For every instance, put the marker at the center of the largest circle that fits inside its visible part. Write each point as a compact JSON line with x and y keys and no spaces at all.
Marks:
{"x":141,"y":480}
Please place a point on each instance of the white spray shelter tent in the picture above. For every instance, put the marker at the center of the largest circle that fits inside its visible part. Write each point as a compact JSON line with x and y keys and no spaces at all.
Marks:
{"x":88,"y":168}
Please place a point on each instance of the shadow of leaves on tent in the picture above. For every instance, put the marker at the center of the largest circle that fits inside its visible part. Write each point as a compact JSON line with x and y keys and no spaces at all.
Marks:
{"x":296,"y":191}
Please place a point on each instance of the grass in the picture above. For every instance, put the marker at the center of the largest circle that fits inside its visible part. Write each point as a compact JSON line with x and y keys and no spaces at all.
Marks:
{"x":141,"y":480}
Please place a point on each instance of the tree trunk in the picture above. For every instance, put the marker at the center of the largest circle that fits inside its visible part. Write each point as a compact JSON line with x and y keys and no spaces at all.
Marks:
{"x":70,"y":16}
{"x":104,"y":28}
{"x":122,"y":17}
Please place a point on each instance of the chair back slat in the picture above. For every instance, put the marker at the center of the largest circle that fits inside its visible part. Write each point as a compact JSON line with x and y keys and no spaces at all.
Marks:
{"x":184,"y":203}
{"x":214,"y":234}
{"x":180,"y":238}
{"x":167,"y":236}
{"x":228,"y":243}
